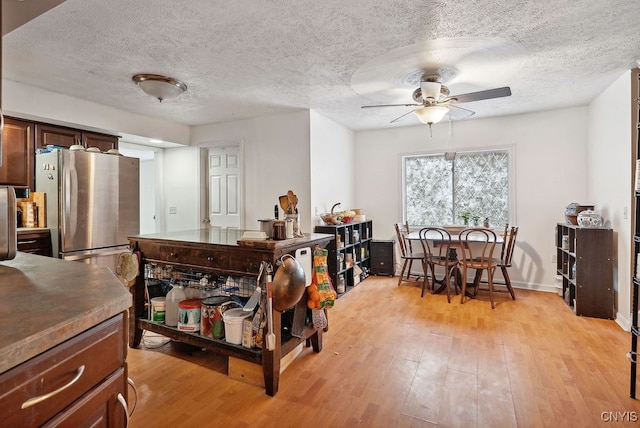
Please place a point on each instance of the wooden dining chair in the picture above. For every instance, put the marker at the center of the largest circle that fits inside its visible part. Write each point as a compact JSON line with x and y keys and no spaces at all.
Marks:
{"x":504,"y":262}
{"x":407,"y":230}
{"x":477,"y":247}
{"x":436,"y":246}
{"x":407,"y":256}
{"x":506,"y":255}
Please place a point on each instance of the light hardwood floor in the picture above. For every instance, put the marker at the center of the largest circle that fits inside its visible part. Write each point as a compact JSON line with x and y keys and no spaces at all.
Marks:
{"x":393,"y":359}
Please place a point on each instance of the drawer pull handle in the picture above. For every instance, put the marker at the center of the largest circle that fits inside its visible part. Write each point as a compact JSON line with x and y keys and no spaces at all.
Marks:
{"x":173,"y":255}
{"x":30,"y":402}
{"x":209,"y":259}
{"x":32,"y":241}
{"x":122,"y":401}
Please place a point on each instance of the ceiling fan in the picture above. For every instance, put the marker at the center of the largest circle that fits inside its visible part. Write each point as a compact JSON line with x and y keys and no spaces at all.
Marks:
{"x":433,"y":101}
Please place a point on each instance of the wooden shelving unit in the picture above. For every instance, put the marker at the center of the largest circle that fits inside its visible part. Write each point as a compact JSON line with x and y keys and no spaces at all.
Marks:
{"x":585,"y":261}
{"x":349,"y":247}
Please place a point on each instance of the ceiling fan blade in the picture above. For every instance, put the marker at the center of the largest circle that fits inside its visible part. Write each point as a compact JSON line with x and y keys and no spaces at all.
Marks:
{"x":459,"y":113}
{"x":400,"y":117}
{"x":392,"y":105}
{"x":483,"y":95}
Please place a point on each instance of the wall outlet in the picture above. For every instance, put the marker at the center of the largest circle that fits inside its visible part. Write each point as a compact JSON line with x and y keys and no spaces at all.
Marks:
{"x":172,"y":210}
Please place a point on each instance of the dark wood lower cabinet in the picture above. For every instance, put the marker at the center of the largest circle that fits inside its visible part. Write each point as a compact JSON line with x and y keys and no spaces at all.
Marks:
{"x":100,"y":407}
{"x":35,"y":241}
{"x":79,"y":382}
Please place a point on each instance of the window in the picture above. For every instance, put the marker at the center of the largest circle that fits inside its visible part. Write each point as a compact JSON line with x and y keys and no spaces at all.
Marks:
{"x":438,"y":191}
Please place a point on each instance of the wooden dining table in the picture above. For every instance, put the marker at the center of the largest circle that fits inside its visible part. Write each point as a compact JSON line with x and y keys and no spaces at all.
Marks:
{"x":455,"y":238}
{"x":453,"y":254}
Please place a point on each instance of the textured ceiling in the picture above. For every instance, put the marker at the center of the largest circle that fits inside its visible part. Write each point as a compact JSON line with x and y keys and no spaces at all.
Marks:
{"x":243,"y":59}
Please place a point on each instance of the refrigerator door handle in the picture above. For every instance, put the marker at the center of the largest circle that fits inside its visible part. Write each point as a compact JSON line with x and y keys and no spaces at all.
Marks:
{"x":71,"y":199}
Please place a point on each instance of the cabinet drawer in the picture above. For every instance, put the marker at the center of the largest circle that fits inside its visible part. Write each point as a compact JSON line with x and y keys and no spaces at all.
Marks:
{"x":97,"y":408}
{"x":231,"y":260}
{"x":35,"y":244}
{"x":80,"y":363}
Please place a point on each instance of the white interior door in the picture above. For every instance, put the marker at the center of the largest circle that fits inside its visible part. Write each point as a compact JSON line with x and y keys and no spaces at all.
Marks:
{"x":225,"y":186}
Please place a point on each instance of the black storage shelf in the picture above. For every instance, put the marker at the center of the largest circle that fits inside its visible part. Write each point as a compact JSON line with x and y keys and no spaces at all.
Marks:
{"x":357,"y":249}
{"x":585,"y":262}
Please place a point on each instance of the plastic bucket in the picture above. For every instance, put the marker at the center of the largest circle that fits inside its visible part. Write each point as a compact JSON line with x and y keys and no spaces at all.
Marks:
{"x":158,"y":308}
{"x":189,"y":315}
{"x":233,"y":319}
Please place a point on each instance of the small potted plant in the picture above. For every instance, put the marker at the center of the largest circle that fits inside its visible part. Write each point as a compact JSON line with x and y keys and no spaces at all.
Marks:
{"x":466,"y":216}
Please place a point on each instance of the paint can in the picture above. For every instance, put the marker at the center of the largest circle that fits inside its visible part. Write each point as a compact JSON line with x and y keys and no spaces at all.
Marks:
{"x":211,"y":324}
{"x":189,"y":315}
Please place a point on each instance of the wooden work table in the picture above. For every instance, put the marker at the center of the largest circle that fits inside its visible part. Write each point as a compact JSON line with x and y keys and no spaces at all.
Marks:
{"x":220,"y":251}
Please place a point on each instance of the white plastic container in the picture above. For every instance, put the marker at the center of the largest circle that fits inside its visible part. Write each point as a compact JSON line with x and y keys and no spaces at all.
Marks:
{"x":174,"y":296}
{"x":158,"y":309}
{"x":233,"y":320}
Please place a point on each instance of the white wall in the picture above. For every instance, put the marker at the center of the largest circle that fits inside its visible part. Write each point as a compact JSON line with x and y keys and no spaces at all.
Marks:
{"x":332,"y":165}
{"x":610,"y":180}
{"x":276,"y":159}
{"x":302,"y":151}
{"x":34,"y":103}
{"x":550,"y":173}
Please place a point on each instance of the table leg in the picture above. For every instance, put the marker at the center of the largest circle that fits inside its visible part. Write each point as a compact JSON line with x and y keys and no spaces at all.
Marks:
{"x":271,"y":359}
{"x":136,"y":311}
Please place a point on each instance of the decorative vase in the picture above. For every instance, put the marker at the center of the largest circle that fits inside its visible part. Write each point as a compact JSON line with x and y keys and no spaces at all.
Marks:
{"x":572,"y":210}
{"x":589,"y":218}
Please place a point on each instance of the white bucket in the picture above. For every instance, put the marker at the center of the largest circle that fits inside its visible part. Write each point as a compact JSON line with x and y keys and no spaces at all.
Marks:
{"x":158,"y":308}
{"x":233,"y":319}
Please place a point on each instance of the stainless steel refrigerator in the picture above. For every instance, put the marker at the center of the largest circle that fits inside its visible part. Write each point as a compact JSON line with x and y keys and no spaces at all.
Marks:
{"x":93,"y":203}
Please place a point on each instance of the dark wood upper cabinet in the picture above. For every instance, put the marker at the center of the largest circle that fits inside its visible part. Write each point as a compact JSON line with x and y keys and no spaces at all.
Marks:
{"x":67,"y":137}
{"x":21,"y":138}
{"x":56,"y":135}
{"x":101,"y":141}
{"x":17,"y":154}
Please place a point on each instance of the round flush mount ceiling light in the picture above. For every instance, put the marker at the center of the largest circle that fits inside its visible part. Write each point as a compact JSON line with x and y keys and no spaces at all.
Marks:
{"x":158,"y":86}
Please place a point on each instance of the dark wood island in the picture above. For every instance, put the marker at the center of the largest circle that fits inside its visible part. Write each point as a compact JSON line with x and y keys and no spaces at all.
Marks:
{"x":220,"y":251}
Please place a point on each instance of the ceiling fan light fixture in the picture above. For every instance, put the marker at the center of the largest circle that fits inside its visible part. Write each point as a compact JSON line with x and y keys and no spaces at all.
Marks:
{"x":158,"y":86}
{"x":431,"y":114}
{"x":431,"y":90}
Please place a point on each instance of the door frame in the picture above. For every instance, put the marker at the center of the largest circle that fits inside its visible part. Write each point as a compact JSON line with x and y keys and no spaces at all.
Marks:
{"x":203,"y":159}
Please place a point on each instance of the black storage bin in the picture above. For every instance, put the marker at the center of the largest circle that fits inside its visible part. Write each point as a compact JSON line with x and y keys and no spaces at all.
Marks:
{"x":382,"y":257}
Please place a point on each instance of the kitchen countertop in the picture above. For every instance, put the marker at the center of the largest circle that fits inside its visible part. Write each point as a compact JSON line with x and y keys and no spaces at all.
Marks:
{"x":46,"y":301}
{"x":228,"y":236}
